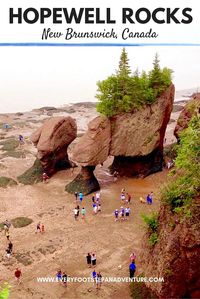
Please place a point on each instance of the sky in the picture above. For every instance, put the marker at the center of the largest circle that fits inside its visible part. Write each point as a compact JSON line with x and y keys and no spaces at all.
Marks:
{"x":31,"y":77}
{"x":34,"y":77}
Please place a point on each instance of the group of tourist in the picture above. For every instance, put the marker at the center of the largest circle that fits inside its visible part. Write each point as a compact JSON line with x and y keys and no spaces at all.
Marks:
{"x":96,"y":205}
{"x":40,"y":227}
{"x":91,"y":259}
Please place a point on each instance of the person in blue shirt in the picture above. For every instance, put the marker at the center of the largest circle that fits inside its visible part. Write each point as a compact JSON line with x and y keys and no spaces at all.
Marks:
{"x":94,"y":275}
{"x":80,"y":196}
{"x":132,"y":268}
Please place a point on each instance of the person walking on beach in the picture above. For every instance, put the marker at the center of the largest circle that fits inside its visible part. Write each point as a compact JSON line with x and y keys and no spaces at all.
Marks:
{"x":98,"y":280}
{"x":81,"y":196}
{"x":64,"y":279}
{"x":122,"y":211}
{"x":42,"y":228}
{"x":99,"y":208}
{"x":75,"y":213}
{"x":89,"y":260}
{"x":76,"y":195}
{"x":59,"y":275}
{"x":116,"y":213}
{"x":94,"y":206}
{"x":7,"y":234}
{"x":38,"y":227}
{"x":132,"y":257}
{"x":10,"y":246}
{"x":93,"y":198}
{"x":128,"y":198}
{"x":45,"y":177}
{"x":127,"y":213}
{"x":18,"y":275}
{"x":132,"y":268}
{"x":93,"y":259}
{"x":83,"y":212}
{"x":148,"y":199}
{"x":94,"y":275}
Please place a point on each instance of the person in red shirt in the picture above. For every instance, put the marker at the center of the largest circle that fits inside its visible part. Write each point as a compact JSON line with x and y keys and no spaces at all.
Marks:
{"x":18,"y":275}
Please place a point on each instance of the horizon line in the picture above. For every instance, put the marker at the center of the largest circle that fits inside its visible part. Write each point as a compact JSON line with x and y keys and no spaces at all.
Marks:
{"x":35,"y":44}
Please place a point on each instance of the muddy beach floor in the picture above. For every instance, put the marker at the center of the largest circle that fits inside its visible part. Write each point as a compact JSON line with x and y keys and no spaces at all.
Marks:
{"x":66,"y":242}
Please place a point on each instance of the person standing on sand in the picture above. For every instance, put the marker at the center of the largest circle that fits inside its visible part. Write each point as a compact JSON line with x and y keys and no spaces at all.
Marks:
{"x":45,"y":177}
{"x":99,"y":208}
{"x":93,"y":198}
{"x":127,"y":213}
{"x":42,"y":228}
{"x":94,"y":208}
{"x":76,"y":213}
{"x":18,"y":275}
{"x":81,"y":196}
{"x":132,"y":257}
{"x":148,"y":199}
{"x":10,"y":246}
{"x":89,"y":260}
{"x":76,"y":195}
{"x":98,"y":280}
{"x":132,"y":268}
{"x":59,"y":275}
{"x":94,"y":275}
{"x":128,"y":198}
{"x":64,"y":279}
{"x":8,"y":234}
{"x":94,"y":259}
{"x":83,"y":212}
{"x":38,"y":227}
{"x":116,"y":213}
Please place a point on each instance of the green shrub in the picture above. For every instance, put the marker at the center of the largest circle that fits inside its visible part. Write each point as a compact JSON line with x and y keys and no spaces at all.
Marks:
{"x":21,"y":222}
{"x":180,"y":191}
{"x":5,"y":182}
{"x":153,"y":239}
{"x":32,"y":175}
{"x":4,"y":291}
{"x":151,"y":221}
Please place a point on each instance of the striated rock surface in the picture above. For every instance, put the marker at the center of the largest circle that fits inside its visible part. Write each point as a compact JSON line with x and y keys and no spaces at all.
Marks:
{"x":92,"y":149}
{"x":176,"y":256}
{"x":190,"y":109}
{"x":137,"y":138}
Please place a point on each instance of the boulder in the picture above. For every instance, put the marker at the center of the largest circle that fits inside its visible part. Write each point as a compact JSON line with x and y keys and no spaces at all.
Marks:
{"x":137,"y":138}
{"x":92,"y":149}
{"x":191,"y":108}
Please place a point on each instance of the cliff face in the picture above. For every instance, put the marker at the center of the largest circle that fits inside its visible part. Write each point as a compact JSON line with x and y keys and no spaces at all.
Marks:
{"x":137,"y":138}
{"x":140,"y":133}
{"x":190,"y":109}
{"x":176,"y":256}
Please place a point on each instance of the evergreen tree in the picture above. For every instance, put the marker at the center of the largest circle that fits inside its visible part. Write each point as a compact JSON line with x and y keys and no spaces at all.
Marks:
{"x":155,"y":76}
{"x":124,"y":68}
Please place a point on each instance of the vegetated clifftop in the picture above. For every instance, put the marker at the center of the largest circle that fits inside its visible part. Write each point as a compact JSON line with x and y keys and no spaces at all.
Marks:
{"x":171,"y":248}
{"x":190,"y":109}
{"x":176,"y":256}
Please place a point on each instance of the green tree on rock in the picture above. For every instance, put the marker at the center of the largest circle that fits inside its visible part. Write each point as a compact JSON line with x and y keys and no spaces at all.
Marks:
{"x":124,"y":69}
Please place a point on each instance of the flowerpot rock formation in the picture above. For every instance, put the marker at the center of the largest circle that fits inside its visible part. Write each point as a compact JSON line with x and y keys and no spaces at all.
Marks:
{"x":52,"y":140}
{"x":135,"y":140}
